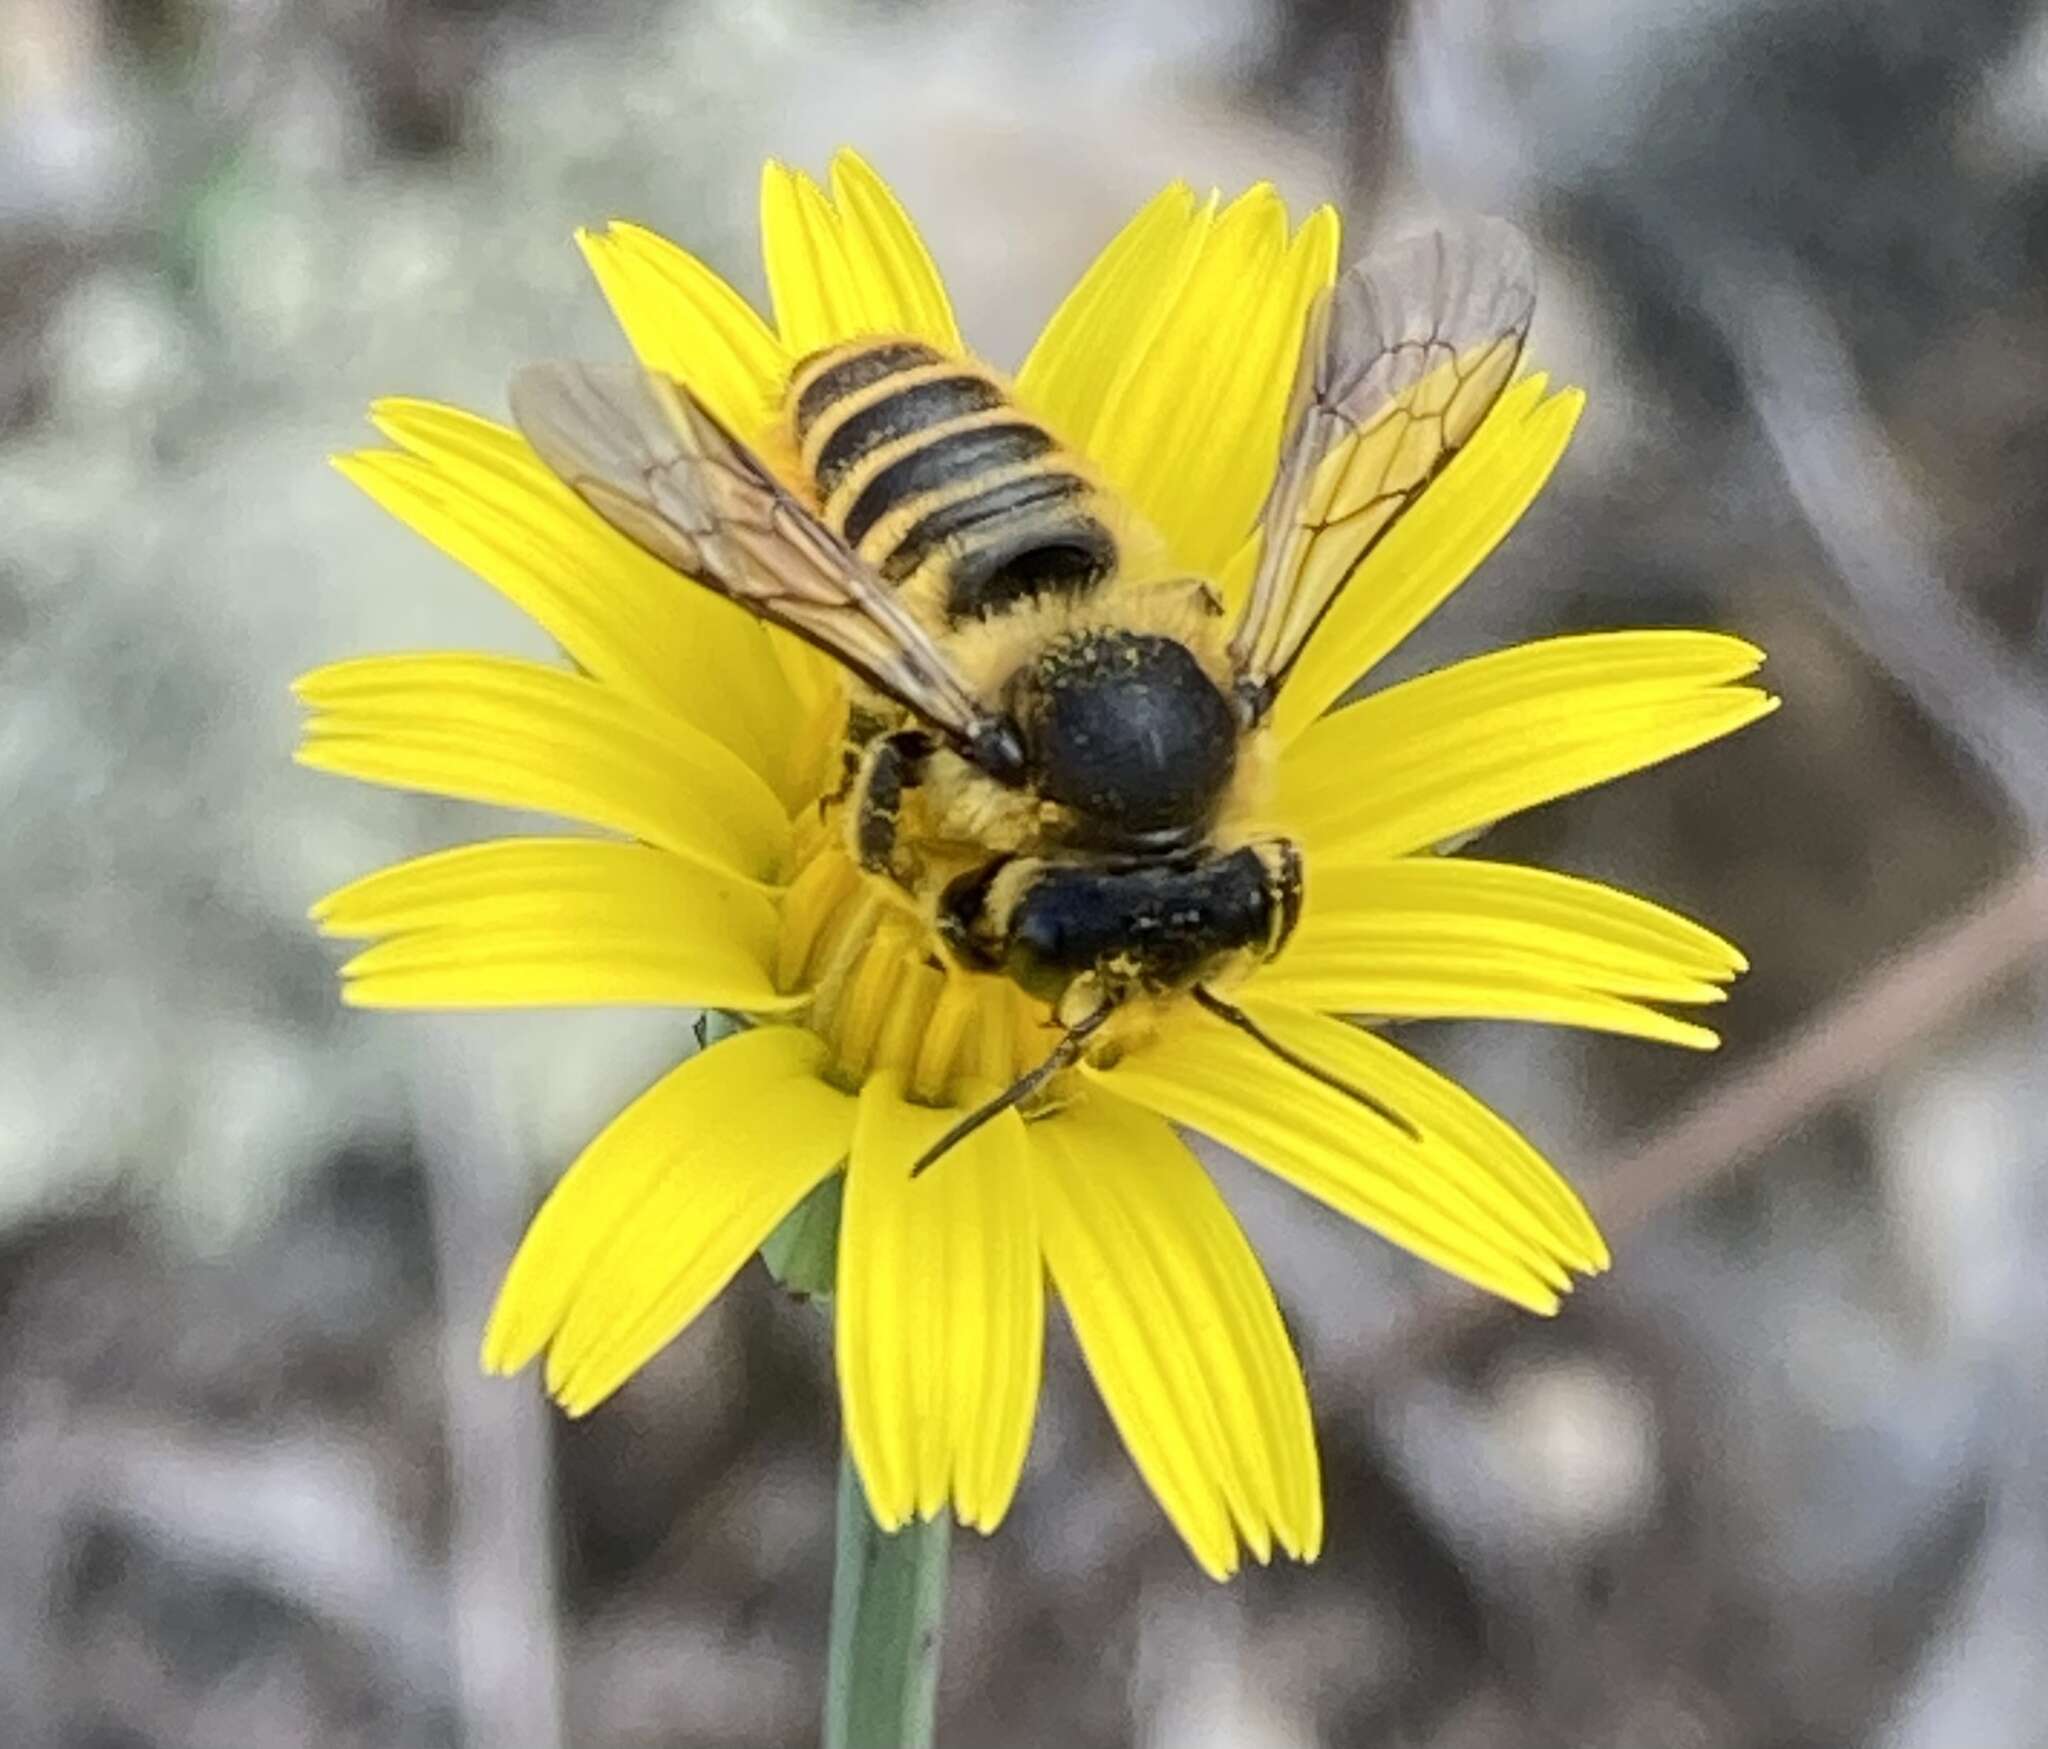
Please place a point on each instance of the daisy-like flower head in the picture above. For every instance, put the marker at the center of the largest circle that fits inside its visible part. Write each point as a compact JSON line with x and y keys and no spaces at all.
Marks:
{"x":701,"y":743}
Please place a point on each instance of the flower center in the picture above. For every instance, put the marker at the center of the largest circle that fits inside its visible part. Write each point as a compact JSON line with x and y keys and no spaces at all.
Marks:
{"x":885,"y":997}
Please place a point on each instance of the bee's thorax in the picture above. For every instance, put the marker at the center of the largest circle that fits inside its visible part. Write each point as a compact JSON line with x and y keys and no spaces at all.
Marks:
{"x":1128,"y":732}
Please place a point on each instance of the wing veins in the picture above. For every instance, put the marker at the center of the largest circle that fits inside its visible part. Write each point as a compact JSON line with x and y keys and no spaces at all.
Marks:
{"x":649,"y":459}
{"x":1373,"y":354}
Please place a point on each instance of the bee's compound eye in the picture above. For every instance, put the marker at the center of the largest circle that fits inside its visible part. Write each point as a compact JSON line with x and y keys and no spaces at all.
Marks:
{"x":1058,"y":927}
{"x":1037,"y":928}
{"x":1036,"y":960}
{"x":965,"y":924}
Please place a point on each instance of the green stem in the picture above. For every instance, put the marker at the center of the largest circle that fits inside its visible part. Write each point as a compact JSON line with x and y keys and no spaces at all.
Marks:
{"x":888,"y":1592}
{"x":803,"y":1253}
{"x":888,"y":1601}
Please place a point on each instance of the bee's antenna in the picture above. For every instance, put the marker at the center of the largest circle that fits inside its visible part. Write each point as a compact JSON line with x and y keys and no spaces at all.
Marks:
{"x":1236,"y":1016}
{"x":1062,"y":1056}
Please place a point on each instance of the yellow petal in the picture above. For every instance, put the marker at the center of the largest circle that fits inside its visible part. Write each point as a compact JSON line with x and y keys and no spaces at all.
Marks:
{"x":1480,"y":1143}
{"x":663,"y":1208}
{"x":551,"y":921}
{"x":685,"y":322}
{"x":1443,"y":936}
{"x":1179,"y":1329}
{"x":835,"y":272}
{"x":908,"y":295}
{"x":1582,"y":930}
{"x":1191,"y":432}
{"x":1419,"y":987}
{"x":1615,"y":926}
{"x":1439,"y":542}
{"x":1470,"y":1196}
{"x":1470,"y":744}
{"x":810,"y":277}
{"x":1107,"y":322}
{"x":523,"y":735}
{"x":474,"y":881}
{"x":477,"y":491}
{"x":941,"y":1312}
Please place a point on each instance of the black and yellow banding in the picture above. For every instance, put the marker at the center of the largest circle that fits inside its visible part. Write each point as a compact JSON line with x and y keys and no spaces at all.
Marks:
{"x":928,"y":468}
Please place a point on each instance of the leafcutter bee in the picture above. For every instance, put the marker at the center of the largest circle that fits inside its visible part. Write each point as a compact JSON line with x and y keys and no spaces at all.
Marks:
{"x":1044,"y":739}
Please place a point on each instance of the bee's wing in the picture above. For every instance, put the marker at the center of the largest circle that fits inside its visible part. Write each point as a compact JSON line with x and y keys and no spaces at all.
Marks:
{"x":1403,"y":357}
{"x":648,"y":458}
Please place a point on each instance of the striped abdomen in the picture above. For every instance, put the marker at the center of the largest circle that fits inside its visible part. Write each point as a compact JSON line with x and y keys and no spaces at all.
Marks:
{"x":925,"y":465}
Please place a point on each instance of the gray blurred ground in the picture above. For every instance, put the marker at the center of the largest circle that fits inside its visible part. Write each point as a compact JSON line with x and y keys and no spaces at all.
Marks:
{"x":1782,"y":1479}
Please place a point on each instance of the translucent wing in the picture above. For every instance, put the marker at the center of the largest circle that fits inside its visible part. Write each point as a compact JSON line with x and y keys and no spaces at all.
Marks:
{"x":642,"y":453}
{"x":1404,"y":356}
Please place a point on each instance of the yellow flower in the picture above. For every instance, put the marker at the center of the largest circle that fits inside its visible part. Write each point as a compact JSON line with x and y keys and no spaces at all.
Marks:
{"x":701,"y":742}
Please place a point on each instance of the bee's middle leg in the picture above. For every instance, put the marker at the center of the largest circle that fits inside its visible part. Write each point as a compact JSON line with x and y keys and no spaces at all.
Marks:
{"x":890,"y":766}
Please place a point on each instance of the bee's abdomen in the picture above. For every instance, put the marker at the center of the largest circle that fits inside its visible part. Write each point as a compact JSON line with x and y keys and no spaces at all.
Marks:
{"x":928,"y":468}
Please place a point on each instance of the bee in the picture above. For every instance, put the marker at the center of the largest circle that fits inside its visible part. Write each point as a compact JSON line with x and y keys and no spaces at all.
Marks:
{"x":1046,"y":736}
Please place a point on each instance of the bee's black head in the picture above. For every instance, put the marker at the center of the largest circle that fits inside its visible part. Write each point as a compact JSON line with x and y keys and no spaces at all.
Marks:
{"x":1127,"y":730}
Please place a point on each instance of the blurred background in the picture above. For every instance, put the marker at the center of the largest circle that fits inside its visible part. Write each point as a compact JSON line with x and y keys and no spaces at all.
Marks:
{"x":1781,"y":1479}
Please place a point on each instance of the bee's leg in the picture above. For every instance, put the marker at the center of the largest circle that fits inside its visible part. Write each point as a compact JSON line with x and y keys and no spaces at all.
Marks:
{"x":863,"y":727}
{"x":890,"y":766}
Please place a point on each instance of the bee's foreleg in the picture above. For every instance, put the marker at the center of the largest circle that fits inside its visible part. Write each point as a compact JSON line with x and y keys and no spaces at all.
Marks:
{"x":863,"y":728}
{"x":891,"y":765}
